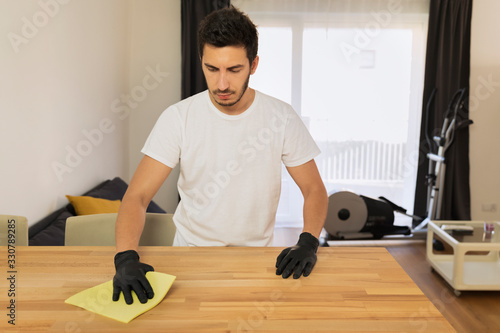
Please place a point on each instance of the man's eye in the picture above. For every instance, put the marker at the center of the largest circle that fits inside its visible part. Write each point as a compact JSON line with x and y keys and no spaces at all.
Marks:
{"x":212,"y":69}
{"x":234,"y":70}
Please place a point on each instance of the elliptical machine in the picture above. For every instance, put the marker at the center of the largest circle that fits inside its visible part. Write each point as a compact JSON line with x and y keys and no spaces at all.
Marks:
{"x":437,"y":163}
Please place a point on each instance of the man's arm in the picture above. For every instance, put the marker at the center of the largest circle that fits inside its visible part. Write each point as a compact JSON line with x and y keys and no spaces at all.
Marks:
{"x":301,"y":258}
{"x":308,"y":179}
{"x":130,"y":272}
{"x":147,"y":180}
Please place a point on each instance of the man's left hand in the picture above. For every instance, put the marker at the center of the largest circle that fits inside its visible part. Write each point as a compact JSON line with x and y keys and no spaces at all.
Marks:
{"x":298,"y":259}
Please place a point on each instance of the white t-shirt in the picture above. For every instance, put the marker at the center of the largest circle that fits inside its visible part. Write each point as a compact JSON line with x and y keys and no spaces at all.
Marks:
{"x":230,"y":167}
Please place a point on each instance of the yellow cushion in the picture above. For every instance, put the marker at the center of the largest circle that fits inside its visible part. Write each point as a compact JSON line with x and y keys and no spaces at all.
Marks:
{"x":88,"y":205}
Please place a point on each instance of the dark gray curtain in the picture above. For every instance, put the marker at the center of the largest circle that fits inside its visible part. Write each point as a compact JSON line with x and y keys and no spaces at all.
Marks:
{"x":192,"y":12}
{"x":447,"y":70}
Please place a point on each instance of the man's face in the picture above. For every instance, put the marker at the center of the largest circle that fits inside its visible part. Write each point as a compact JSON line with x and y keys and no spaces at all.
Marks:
{"x":227,"y":72}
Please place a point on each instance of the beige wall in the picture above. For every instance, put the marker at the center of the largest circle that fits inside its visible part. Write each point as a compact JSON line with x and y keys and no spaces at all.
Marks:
{"x":485,"y":110}
{"x":65,"y":66}
{"x":155,"y":43}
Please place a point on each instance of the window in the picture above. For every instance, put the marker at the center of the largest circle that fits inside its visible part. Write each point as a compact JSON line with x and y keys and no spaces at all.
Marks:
{"x":355,"y":76}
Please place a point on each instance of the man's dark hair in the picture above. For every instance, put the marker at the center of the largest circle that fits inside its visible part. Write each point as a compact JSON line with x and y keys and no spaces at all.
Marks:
{"x":228,"y":27}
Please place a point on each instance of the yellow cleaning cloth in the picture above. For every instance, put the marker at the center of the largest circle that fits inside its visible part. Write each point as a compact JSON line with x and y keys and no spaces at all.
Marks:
{"x":99,"y":299}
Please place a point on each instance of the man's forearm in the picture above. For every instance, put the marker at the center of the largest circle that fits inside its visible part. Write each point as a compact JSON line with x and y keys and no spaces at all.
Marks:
{"x":301,"y":258}
{"x":129,"y":224}
{"x":147,"y":179}
{"x":315,"y":210}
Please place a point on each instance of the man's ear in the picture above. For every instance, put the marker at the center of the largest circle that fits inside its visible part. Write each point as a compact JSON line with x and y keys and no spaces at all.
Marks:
{"x":254,"y":65}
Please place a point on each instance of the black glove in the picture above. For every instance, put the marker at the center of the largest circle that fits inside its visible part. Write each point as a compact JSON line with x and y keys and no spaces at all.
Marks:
{"x":131,"y":275}
{"x":299,"y":259}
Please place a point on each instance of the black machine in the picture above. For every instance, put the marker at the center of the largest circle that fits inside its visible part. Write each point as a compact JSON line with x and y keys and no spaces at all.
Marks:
{"x":352,"y":216}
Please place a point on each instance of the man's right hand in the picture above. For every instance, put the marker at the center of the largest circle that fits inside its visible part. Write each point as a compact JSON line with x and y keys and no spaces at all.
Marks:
{"x":131,"y":275}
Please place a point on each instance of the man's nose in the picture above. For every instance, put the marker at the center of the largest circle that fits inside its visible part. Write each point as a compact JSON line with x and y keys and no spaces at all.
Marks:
{"x":223,"y":82}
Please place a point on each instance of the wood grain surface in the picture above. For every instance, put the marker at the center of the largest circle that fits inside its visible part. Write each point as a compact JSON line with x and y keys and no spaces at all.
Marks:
{"x":224,"y":290}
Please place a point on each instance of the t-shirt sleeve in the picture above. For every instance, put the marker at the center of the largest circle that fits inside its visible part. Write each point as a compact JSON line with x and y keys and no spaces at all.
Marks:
{"x":164,"y":141}
{"x":299,"y":146}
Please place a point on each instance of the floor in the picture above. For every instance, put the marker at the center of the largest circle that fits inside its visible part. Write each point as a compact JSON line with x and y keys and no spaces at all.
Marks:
{"x":471,"y":312}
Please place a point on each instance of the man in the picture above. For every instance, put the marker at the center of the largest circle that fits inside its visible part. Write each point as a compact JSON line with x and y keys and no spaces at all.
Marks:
{"x":230,"y":141}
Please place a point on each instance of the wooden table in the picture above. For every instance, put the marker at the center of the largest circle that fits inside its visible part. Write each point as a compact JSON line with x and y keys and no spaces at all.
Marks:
{"x":224,"y":290}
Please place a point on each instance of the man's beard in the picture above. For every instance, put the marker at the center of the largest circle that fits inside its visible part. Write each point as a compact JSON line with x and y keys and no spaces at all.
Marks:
{"x":244,"y":88}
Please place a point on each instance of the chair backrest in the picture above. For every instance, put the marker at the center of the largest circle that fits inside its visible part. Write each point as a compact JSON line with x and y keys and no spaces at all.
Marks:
{"x":14,"y":228}
{"x":99,"y":230}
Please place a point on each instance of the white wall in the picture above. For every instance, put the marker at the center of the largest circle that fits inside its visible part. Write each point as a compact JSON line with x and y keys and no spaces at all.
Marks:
{"x":485,"y":110}
{"x":62,"y":75}
{"x":155,"y":44}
